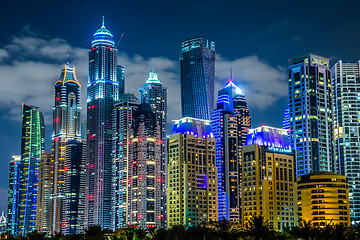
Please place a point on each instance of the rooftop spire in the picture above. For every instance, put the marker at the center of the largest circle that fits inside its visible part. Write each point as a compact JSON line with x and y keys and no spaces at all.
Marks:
{"x":230,"y":75}
{"x":103,"y":22}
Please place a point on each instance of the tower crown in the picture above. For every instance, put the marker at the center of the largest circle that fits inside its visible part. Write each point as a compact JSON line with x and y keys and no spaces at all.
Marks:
{"x":103,"y":37}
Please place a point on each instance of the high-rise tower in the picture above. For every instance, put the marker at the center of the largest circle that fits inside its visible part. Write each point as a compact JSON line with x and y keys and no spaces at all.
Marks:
{"x":123,"y":115}
{"x":144,"y":170}
{"x":192,"y":178}
{"x":155,"y":94}
{"x":13,"y":195}
{"x":231,"y":122}
{"x":45,"y":183}
{"x":346,"y":110}
{"x":32,"y":146}
{"x":66,"y":125}
{"x":310,"y":111}
{"x":197,"y":62}
{"x":102,"y":94}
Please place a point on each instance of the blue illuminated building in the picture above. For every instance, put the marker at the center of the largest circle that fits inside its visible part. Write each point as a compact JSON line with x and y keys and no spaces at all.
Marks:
{"x":102,"y":94}
{"x":275,"y":139}
{"x":231,"y":121}
{"x":13,"y":195}
{"x":197,"y":61}
{"x":311,"y":114}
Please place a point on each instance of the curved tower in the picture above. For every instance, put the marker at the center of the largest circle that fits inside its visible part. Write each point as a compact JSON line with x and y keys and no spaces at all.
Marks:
{"x":102,"y":94}
{"x":66,"y":125}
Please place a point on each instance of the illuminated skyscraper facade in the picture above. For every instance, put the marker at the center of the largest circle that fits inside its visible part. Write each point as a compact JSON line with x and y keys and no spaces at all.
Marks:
{"x":197,"y":62}
{"x":155,"y":94}
{"x":123,"y":116}
{"x":231,"y":122}
{"x":346,"y":109}
{"x":310,"y":109}
{"x":32,"y":146}
{"x":74,"y":199}
{"x":13,"y":195}
{"x":102,"y":94}
{"x":269,"y":178}
{"x":192,"y":174}
{"x":121,"y":79}
{"x":144,"y":170}
{"x":45,"y":182}
{"x":66,"y":125}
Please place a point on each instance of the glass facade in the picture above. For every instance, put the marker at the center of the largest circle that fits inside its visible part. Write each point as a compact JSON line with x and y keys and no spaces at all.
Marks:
{"x":155,"y":94}
{"x":123,"y":116}
{"x":13,"y":195}
{"x":66,"y":125}
{"x":346,"y":109}
{"x":32,"y":146}
{"x":197,"y":62}
{"x":144,"y":170}
{"x":102,"y":94}
{"x":231,"y":121}
{"x":310,"y":109}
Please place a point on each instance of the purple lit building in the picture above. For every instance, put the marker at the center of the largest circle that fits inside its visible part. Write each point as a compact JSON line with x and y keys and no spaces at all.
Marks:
{"x":192,"y":174}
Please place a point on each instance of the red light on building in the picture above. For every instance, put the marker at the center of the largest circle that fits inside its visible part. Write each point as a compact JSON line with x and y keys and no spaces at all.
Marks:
{"x":57,"y":98}
{"x":64,"y":224}
{"x":56,"y":139}
{"x":66,"y":169}
{"x":159,"y":179}
{"x":129,"y":142}
{"x":108,"y":47}
{"x":128,"y":180}
{"x":91,"y":197}
{"x":140,"y":178}
{"x":159,"y":141}
{"x":93,"y":48}
{"x":134,"y":162}
{"x":159,"y":216}
{"x":139,"y":216}
{"x":57,"y":120}
{"x":91,"y":166}
{"x":140,"y":139}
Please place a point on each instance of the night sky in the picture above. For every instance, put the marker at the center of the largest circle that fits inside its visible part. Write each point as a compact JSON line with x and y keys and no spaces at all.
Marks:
{"x":254,"y":38}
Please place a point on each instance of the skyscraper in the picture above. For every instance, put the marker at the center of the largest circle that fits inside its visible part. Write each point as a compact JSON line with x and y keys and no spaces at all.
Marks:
{"x":102,"y":94}
{"x":66,"y":125}
{"x":13,"y":195}
{"x":74,"y":202}
{"x":310,"y":110}
{"x":197,"y":62}
{"x":231,"y":122}
{"x":45,"y":182}
{"x":123,"y":116}
{"x":269,"y":179}
{"x":121,"y":79}
{"x":144,"y":170}
{"x":32,"y":146}
{"x":192,"y":178}
{"x":155,"y":94}
{"x":346,"y":110}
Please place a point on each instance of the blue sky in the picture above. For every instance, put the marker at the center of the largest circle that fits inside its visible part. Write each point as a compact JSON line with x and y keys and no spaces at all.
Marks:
{"x":254,"y":38}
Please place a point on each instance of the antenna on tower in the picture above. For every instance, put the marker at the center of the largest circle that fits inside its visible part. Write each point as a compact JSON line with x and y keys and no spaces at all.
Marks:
{"x":103,"y":21}
{"x":119,"y":40}
{"x":67,"y":58}
{"x":230,"y":74}
{"x":152,"y":66}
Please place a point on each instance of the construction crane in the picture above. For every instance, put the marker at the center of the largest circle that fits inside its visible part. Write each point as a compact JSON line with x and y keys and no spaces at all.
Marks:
{"x":119,"y":40}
